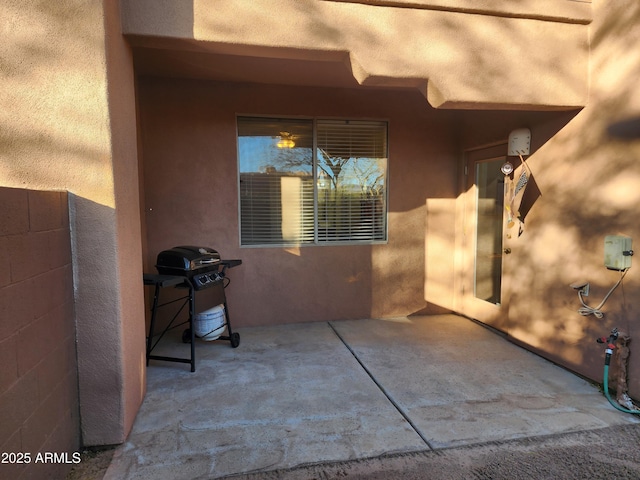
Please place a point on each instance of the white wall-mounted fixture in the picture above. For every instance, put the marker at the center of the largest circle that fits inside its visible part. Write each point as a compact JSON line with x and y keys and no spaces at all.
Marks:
{"x":507,"y":168}
{"x":617,"y":252}
{"x":519,"y":142}
{"x":581,"y":287}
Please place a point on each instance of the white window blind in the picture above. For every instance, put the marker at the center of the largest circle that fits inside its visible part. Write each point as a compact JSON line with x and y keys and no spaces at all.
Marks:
{"x":305,"y":182}
{"x":351,"y":168}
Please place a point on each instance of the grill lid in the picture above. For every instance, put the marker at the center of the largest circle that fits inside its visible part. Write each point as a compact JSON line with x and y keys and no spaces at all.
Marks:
{"x":187,"y":258}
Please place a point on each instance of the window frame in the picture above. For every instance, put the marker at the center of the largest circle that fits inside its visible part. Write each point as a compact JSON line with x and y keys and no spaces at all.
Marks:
{"x":314,"y":166}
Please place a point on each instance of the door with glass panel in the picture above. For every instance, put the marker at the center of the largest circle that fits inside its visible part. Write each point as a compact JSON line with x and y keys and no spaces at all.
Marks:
{"x":487,"y":246}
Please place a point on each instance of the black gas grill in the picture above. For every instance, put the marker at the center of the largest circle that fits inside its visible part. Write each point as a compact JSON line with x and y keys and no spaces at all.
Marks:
{"x":192,"y":269}
{"x":199,"y":265}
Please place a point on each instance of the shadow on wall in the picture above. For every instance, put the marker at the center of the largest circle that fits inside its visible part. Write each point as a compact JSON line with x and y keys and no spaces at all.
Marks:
{"x":589,"y":182}
{"x":100,"y":325}
{"x":583,"y":187}
{"x":449,"y":50}
{"x":589,"y":189}
{"x":38,"y":370}
{"x":446,"y":261}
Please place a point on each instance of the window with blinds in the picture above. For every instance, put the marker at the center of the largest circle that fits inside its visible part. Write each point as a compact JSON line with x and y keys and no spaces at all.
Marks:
{"x":312,"y":181}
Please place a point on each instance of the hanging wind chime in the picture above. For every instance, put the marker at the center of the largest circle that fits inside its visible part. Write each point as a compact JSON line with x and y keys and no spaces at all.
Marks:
{"x":519,"y":145}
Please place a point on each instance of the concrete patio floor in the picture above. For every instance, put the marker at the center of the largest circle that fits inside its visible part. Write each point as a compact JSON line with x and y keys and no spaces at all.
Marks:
{"x":310,"y":394}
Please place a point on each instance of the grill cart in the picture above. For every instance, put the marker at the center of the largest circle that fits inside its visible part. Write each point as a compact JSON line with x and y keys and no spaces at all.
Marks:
{"x":191,"y":269}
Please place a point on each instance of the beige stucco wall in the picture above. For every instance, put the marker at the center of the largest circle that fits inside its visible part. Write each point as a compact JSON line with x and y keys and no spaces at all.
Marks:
{"x":67,"y":122}
{"x":128,"y":254}
{"x":589,"y":185}
{"x":434,"y":47}
{"x":530,"y":56}
{"x":596,"y":180}
{"x":191,"y":197}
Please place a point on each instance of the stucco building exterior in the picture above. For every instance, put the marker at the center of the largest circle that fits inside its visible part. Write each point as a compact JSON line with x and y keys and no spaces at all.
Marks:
{"x":119,"y":139}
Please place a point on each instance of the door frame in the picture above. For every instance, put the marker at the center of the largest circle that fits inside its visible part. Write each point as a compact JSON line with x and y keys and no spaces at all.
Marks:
{"x":495,"y":315}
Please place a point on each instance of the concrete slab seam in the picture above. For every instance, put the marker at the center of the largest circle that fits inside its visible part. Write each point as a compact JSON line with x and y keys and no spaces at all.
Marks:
{"x":382,"y":389}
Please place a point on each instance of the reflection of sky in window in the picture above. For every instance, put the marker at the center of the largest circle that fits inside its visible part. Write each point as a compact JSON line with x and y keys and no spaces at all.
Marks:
{"x":256,"y":153}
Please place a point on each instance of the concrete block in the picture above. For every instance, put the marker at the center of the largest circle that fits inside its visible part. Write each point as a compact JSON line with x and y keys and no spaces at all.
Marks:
{"x":16,"y":301}
{"x":34,"y":343}
{"x":8,"y":363}
{"x":28,"y":255}
{"x":14,"y":211}
{"x":59,"y":248}
{"x":51,"y":289}
{"x":40,"y":423}
{"x":17,"y":404}
{"x":45,"y":210}
{"x":5,"y":269}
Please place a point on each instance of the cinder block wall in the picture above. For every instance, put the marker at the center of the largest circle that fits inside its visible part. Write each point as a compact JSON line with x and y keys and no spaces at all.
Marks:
{"x":38,"y":370}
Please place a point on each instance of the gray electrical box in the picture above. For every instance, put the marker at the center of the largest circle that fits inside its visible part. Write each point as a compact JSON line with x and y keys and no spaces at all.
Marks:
{"x":617,"y":252}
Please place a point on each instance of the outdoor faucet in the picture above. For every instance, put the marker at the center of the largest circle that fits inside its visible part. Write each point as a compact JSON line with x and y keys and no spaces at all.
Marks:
{"x":611,"y":342}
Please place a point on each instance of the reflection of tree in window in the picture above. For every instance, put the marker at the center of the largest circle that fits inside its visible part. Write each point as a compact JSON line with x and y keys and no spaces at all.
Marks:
{"x":352,"y":155}
{"x":347,"y":202}
{"x":297,"y":159}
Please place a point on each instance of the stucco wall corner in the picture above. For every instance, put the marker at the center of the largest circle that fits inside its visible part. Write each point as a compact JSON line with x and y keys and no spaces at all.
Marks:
{"x":172,"y":18}
{"x":536,"y":92}
{"x":435,"y":97}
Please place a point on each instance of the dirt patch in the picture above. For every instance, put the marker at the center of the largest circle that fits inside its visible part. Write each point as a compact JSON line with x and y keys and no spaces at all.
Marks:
{"x":93,"y":464}
{"x":598,"y":454}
